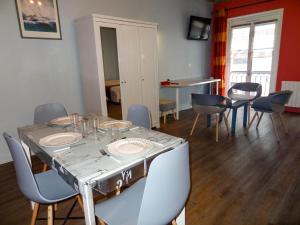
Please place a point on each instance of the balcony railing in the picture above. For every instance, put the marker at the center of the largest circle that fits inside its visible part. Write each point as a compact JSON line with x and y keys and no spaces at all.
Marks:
{"x":261,"y":77}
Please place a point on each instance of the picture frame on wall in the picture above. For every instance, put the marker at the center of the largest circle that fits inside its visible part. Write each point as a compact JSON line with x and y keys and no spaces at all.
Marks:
{"x":38,"y":19}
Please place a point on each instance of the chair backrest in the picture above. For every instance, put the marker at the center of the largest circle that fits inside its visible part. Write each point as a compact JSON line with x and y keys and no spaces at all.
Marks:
{"x":247,"y":87}
{"x":206,"y":99}
{"x":139,"y":115}
{"x":281,"y":97}
{"x":167,"y":187}
{"x":45,"y":113}
{"x":25,"y":177}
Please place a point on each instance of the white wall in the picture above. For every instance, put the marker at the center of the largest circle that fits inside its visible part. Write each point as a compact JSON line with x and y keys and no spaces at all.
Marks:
{"x":34,"y":71}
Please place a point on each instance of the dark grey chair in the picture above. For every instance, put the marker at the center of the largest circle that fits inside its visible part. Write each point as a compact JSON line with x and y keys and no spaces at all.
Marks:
{"x":242,"y":99}
{"x":139,"y":115}
{"x":274,"y":103}
{"x":45,"y":113}
{"x":42,"y":188}
{"x":155,"y":200}
{"x":206,"y":104}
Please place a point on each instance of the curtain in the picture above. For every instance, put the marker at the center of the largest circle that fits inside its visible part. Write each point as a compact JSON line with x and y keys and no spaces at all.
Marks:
{"x":219,"y":47}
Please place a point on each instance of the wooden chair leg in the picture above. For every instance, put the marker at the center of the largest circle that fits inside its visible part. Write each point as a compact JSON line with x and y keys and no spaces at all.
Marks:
{"x":228,"y":114}
{"x":35,"y":213}
{"x":275,"y":128}
{"x":165,"y":118}
{"x":194,"y":125}
{"x":78,"y":197}
{"x":259,"y":119}
{"x":101,"y":222}
{"x":226,"y":124}
{"x":45,"y":167}
{"x":283,"y":124}
{"x":174,"y":222}
{"x":50,"y":215}
{"x":252,"y":120}
{"x":118,"y":191}
{"x":217,"y":128}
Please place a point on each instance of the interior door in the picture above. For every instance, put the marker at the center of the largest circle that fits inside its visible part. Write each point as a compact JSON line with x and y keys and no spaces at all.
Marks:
{"x":149,"y":83}
{"x":129,"y":66}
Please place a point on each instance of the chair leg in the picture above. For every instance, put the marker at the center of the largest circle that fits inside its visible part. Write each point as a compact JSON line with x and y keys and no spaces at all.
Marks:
{"x":78,"y":197}
{"x":217,"y":128}
{"x":227,"y":116}
{"x":253,"y":118}
{"x":50,"y":215}
{"x":275,"y":128}
{"x":45,"y":167}
{"x":174,"y":222}
{"x":226,"y":124}
{"x":283,"y":124}
{"x":165,"y":118}
{"x":194,"y":125}
{"x":259,"y":119}
{"x":101,"y":222}
{"x":35,"y":213}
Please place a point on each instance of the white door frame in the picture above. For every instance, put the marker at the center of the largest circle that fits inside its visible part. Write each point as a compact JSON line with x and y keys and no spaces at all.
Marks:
{"x":257,"y":18}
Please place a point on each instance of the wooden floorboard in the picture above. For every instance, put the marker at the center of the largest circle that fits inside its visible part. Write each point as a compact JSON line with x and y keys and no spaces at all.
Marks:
{"x":241,"y":180}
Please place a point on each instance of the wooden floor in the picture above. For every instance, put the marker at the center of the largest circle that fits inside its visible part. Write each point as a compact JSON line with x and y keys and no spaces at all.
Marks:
{"x":242,"y":180}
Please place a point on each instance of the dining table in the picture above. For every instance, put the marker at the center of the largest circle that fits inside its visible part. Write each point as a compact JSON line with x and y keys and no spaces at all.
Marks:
{"x":88,"y":168}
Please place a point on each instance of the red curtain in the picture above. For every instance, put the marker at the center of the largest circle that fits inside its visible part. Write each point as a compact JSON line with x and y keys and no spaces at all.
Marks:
{"x":219,"y":48}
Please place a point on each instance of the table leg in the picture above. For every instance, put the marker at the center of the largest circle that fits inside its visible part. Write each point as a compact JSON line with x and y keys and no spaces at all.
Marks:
{"x":177,"y":103}
{"x":180,"y":220}
{"x":233,"y":121}
{"x":217,"y":87}
{"x":245,"y":119}
{"x":88,"y":204}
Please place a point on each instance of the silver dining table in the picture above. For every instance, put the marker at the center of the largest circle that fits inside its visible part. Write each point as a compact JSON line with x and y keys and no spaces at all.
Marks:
{"x":86,"y":169}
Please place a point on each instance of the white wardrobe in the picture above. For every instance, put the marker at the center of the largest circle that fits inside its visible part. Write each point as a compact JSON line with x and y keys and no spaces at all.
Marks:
{"x":137,"y":62}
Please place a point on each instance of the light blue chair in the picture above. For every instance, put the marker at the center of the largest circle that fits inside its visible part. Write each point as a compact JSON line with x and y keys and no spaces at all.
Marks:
{"x":155,"y":200}
{"x":139,"y":115}
{"x":249,"y":92}
{"x":45,"y":113}
{"x":42,"y":188}
{"x":274,"y":103}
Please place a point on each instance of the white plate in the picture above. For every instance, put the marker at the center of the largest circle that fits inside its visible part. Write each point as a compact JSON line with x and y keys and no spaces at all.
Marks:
{"x":62,"y":121}
{"x":60,"y":139}
{"x":129,"y":147}
{"x":118,"y":124}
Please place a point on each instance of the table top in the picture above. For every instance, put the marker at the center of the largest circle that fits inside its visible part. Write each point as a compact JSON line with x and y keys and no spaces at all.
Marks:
{"x":189,"y":82}
{"x":84,"y":163}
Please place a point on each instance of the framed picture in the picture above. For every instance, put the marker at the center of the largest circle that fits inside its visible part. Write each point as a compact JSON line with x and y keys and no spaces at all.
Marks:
{"x":38,"y":19}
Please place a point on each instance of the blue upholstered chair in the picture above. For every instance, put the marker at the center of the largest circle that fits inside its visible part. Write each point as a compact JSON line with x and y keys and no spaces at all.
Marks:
{"x":274,"y":103}
{"x":156,"y":199}
{"x":42,"y":188}
{"x":139,"y":115}
{"x":241,"y":95}
{"x":45,"y":113}
{"x":206,"y":104}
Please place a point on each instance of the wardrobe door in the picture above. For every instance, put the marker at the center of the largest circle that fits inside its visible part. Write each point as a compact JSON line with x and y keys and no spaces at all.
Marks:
{"x":149,"y":80}
{"x":129,"y":66}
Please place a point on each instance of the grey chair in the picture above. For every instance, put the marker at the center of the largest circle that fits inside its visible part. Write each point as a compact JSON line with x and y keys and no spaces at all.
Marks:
{"x":42,"y":188}
{"x":156,"y":199}
{"x":45,"y":113}
{"x":242,"y":99}
{"x":139,"y":115}
{"x":205,"y":104}
{"x":272,"y":104}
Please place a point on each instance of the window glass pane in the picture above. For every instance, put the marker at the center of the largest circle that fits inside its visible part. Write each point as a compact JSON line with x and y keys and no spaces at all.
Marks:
{"x":239,"y":48}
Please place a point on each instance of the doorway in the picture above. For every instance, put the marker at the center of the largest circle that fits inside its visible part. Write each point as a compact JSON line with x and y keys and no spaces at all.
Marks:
{"x":253,"y":49}
{"x":111,"y":72}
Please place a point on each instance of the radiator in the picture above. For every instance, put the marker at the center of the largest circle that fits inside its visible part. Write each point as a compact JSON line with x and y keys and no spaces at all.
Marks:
{"x":295,"y":87}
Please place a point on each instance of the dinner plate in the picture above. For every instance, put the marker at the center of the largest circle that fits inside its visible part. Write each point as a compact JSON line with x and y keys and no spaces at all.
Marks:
{"x":117,"y":124}
{"x":63,"y":121}
{"x":60,"y":139}
{"x":129,"y":147}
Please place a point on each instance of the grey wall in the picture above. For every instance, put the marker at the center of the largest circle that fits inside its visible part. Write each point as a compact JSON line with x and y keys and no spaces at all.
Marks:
{"x":110,"y":53}
{"x":34,"y":71}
